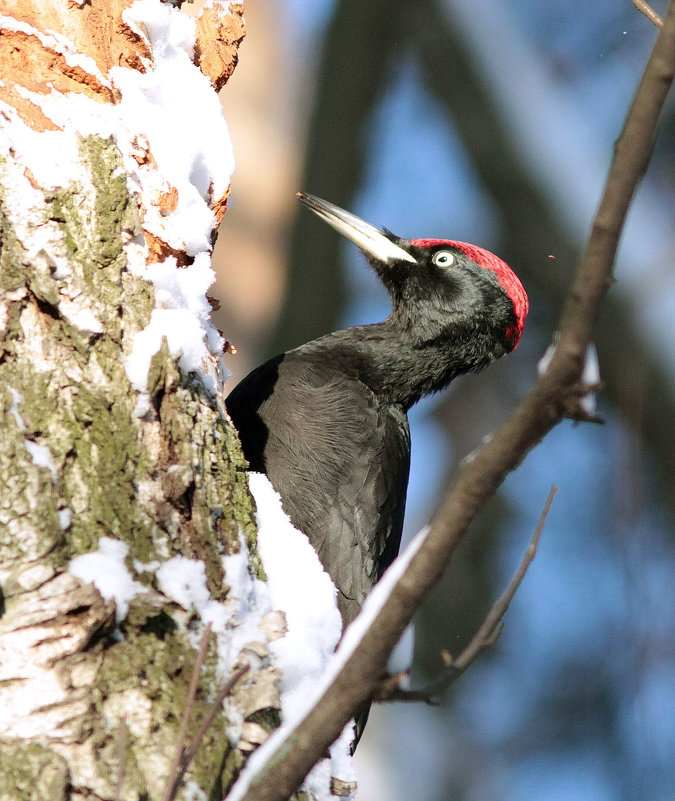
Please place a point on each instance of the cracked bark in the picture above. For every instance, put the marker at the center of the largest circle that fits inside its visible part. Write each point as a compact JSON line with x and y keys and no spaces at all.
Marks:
{"x":78,"y":463}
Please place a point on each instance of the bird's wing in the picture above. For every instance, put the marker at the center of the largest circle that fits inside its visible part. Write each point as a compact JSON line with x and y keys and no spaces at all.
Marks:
{"x":338,"y":457}
{"x":379,"y":506}
{"x":246,"y":404}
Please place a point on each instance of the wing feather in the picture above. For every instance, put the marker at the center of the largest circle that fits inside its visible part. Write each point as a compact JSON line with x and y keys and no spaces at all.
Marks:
{"x":338,"y":457}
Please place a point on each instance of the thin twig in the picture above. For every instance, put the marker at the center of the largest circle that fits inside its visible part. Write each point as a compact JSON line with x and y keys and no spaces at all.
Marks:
{"x":494,"y":616}
{"x":210,"y":716}
{"x":172,"y":782}
{"x":488,"y":632}
{"x":121,"y":755}
{"x":649,"y":12}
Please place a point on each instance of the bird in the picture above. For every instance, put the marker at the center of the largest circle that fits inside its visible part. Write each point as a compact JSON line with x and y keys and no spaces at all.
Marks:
{"x":327,"y":421}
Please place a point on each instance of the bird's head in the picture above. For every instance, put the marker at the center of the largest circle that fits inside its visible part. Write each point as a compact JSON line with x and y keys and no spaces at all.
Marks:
{"x":435,"y":284}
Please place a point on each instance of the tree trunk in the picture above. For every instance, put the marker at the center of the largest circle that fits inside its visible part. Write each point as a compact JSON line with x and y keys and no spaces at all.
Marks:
{"x":116,"y":461}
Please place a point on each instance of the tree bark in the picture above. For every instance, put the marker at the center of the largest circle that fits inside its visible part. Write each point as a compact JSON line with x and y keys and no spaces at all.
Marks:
{"x":88,"y":450}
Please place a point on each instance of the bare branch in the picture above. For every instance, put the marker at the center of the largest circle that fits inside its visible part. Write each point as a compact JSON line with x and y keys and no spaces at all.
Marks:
{"x":543,"y":407}
{"x":649,"y":12}
{"x":486,"y":636}
{"x":189,"y":755}
{"x":172,"y":778}
{"x":183,"y":756}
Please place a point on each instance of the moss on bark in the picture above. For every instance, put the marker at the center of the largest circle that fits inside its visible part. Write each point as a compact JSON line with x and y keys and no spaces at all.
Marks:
{"x":76,"y":464}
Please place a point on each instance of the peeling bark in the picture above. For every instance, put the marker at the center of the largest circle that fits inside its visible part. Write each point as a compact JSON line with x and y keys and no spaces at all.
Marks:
{"x":219,"y":62}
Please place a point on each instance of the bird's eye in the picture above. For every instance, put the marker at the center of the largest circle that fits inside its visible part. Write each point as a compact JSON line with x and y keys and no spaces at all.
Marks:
{"x":444,"y":258}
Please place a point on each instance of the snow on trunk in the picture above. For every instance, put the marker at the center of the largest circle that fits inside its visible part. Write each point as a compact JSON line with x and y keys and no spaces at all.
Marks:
{"x":121,"y":480}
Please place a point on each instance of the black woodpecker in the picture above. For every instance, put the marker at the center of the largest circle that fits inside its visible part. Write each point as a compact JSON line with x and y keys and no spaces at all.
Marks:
{"x":327,"y":422}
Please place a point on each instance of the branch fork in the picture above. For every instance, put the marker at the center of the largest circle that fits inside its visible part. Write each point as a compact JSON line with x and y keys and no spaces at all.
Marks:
{"x":392,"y":687}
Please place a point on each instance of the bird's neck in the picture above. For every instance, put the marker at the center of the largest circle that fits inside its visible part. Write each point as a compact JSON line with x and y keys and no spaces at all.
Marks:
{"x":395,"y":362}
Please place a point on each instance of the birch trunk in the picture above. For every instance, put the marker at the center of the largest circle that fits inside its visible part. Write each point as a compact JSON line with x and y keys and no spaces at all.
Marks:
{"x":90,"y":449}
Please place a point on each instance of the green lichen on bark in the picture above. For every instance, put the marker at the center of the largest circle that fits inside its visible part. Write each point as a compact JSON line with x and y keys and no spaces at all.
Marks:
{"x":77,"y":463}
{"x":32,"y":771}
{"x":91,"y":228}
{"x":80,"y":402}
{"x":75,"y":400}
{"x":11,"y":272}
{"x":162,"y":668}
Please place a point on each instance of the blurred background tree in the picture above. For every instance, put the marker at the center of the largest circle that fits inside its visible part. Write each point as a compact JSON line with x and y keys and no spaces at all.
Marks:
{"x":491,"y":122}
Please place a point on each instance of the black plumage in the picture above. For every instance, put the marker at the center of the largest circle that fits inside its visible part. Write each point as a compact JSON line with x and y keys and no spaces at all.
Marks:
{"x":327,"y":421}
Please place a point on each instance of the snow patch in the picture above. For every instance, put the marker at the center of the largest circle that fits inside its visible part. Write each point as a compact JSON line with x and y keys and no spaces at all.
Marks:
{"x":185,"y":339}
{"x":300,"y":587}
{"x":80,"y":316}
{"x":590,"y":377}
{"x":340,"y":762}
{"x":193,"y":792}
{"x":143,"y":405}
{"x":472,"y":454}
{"x":41,"y":456}
{"x":181,"y":314}
{"x":184,"y":581}
{"x":107,"y":571}
{"x":65,"y":516}
{"x":17,"y":400}
{"x":545,"y":361}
